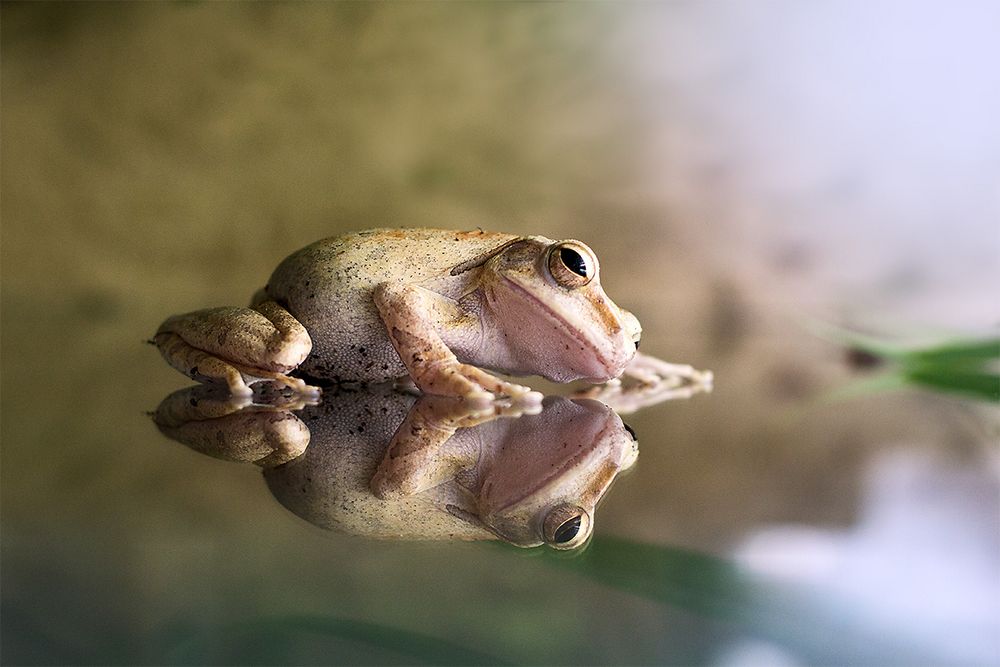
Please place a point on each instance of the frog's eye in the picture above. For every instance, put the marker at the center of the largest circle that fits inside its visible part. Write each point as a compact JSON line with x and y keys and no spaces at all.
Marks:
{"x":566,"y":527}
{"x":572,"y":264}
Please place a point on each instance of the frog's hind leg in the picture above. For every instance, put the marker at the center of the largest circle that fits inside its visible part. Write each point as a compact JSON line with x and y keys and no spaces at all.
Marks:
{"x":236,"y":346}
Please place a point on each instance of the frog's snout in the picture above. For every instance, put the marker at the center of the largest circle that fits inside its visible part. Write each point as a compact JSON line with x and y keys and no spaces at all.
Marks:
{"x":632,"y":327}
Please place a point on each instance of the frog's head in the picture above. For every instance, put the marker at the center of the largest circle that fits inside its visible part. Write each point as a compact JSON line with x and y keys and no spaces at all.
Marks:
{"x":557,"y":322}
{"x":546,"y":477}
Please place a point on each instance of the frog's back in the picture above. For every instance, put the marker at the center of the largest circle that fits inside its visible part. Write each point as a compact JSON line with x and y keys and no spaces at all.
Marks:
{"x":328,"y":287}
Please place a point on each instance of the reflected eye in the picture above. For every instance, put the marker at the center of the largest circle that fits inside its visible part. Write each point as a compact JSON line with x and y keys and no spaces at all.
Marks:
{"x":567,"y":530}
{"x":572,"y":264}
{"x":566,"y":527}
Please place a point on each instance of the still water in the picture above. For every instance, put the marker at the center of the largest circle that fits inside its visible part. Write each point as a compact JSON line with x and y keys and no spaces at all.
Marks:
{"x":748,"y":177}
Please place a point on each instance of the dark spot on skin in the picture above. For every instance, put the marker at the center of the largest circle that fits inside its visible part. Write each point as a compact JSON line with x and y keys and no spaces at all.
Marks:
{"x":363,"y":351}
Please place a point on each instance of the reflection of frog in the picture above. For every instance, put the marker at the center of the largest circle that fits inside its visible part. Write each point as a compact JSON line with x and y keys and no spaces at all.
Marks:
{"x":524,"y":480}
{"x":434,"y":304}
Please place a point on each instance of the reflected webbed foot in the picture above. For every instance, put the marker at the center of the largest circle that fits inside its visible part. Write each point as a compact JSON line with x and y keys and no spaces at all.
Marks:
{"x":647,"y":381}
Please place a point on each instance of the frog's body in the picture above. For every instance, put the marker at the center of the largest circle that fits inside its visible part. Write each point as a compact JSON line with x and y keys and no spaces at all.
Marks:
{"x":438,"y":305}
{"x":329,"y":287}
{"x":440,"y":469}
{"x":511,"y":479}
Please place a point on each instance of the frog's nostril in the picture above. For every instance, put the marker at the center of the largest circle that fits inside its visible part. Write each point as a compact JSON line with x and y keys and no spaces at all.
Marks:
{"x":637,"y":343}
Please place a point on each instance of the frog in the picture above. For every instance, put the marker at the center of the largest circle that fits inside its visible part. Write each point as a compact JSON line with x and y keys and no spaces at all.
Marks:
{"x":357,"y":462}
{"x":450,"y":310}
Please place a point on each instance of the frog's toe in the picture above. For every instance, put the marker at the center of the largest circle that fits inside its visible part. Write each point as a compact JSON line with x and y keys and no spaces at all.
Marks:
{"x":531,"y":404}
{"x":237,"y":385}
{"x":522,"y":395}
{"x":529,"y":398}
{"x":479,"y":400}
{"x":307,"y":389}
{"x":298,"y":385}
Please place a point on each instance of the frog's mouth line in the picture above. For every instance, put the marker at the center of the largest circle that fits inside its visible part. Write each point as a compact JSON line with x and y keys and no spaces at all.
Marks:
{"x":572,"y":332}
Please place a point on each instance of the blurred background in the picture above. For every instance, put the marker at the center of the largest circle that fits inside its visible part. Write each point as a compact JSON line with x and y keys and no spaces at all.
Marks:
{"x":743,"y":170}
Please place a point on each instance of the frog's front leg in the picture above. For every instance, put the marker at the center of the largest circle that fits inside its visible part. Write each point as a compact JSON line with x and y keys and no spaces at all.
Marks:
{"x":418,"y":458}
{"x":414,"y":460}
{"x":236,"y":346}
{"x":414,"y":318}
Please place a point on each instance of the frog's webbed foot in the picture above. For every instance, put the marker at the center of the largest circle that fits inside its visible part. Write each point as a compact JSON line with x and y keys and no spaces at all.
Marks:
{"x":485,"y":387}
{"x":237,"y":347}
{"x":409,"y":312}
{"x":647,"y":381}
{"x":653,"y":371}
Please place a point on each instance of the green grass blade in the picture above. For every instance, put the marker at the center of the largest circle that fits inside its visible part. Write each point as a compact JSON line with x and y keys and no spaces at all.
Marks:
{"x":958,"y":352}
{"x":985,"y":386}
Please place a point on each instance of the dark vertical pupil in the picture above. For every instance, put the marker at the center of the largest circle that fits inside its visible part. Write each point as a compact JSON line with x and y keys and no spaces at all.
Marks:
{"x":568,"y":530}
{"x":573,"y":261}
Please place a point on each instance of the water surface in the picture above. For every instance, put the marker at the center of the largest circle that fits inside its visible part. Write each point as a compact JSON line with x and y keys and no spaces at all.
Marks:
{"x":741,"y":173}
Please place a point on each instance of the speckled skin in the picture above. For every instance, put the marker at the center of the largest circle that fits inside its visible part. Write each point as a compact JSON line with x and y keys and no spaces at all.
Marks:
{"x":518,"y":471}
{"x":328,"y":485}
{"x":494,"y":474}
{"x":328,"y":287}
{"x":438,"y":305}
